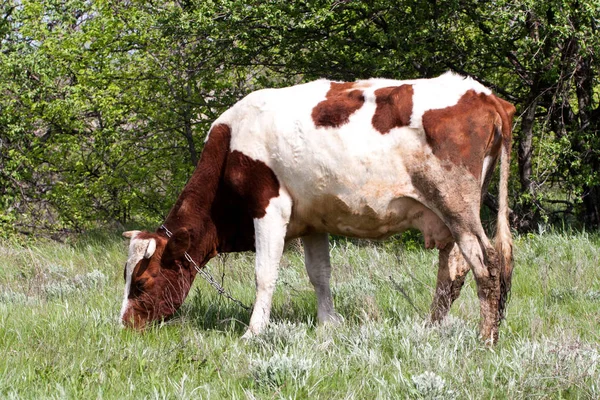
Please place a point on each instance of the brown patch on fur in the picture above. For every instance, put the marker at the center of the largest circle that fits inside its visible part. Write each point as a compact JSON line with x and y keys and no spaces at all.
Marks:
{"x":248,"y":187}
{"x":227,"y":190}
{"x":213,"y":214}
{"x":394,"y":108}
{"x":340,"y":103}
{"x":253,"y":181}
{"x":463,"y":134}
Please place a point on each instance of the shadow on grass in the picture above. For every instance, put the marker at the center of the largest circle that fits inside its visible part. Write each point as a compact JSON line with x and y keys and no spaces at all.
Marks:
{"x":209,"y":311}
{"x":356,"y":301}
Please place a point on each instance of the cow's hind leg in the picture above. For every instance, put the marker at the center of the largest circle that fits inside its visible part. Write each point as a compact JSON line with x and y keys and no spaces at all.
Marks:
{"x":318,"y":266}
{"x":457,"y":203}
{"x":270,"y":233}
{"x":484,"y":261}
{"x":452,"y":271}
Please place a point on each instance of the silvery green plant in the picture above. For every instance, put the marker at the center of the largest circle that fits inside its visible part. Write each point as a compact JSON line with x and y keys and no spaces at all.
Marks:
{"x":280,"y":368}
{"x":432,"y":386}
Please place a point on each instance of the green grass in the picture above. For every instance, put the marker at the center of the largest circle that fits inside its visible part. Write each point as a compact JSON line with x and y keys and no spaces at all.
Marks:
{"x":59,"y":336}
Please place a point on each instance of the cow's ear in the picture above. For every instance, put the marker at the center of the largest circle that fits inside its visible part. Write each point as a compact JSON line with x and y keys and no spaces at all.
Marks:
{"x":176,"y":247}
{"x":131,"y":234}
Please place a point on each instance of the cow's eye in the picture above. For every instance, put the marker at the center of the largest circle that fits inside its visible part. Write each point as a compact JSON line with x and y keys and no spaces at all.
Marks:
{"x":139,"y":285}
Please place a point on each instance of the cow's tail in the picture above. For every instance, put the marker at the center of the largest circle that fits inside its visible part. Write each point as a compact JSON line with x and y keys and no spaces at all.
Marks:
{"x":503,"y":240}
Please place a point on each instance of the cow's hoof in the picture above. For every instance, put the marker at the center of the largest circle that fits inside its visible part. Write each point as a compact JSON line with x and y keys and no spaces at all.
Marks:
{"x":489,"y":336}
{"x":249,"y":335}
{"x":332,"y":319}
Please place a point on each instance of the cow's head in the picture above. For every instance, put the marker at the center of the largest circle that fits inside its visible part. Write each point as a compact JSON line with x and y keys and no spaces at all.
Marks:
{"x":157,"y":277}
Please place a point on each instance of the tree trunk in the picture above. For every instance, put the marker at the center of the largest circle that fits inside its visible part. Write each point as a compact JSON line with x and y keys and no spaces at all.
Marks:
{"x":189,"y":137}
{"x":528,"y":213}
{"x":525,"y":149}
{"x":188,"y":132}
{"x":591,"y":204}
{"x":585,"y":88}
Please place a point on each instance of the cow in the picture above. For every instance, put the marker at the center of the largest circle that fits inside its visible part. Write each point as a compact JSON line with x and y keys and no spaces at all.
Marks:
{"x":364,"y":159}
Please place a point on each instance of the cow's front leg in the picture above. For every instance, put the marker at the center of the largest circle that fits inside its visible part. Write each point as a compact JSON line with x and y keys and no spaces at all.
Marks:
{"x":318,"y":266}
{"x":270,"y":233}
{"x":452,"y":271}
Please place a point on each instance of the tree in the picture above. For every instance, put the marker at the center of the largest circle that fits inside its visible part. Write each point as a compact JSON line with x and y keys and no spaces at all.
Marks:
{"x":543,"y":56}
{"x":105,"y":104}
{"x":111,"y":102}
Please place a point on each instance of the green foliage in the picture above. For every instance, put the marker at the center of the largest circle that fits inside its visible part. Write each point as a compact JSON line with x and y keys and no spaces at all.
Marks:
{"x":105,"y":104}
{"x":118,"y":100}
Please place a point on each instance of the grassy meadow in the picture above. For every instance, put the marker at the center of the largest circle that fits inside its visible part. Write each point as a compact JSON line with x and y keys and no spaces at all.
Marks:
{"x":59,"y":336}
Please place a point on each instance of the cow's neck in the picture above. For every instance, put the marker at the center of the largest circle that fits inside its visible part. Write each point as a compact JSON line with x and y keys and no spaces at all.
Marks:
{"x":192,"y":211}
{"x":216,"y":217}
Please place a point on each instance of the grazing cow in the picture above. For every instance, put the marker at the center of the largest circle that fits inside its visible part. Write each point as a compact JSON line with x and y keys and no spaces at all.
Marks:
{"x":365,"y":159}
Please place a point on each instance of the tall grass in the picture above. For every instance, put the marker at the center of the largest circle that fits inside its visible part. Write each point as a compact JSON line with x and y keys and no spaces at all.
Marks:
{"x":59,"y":335}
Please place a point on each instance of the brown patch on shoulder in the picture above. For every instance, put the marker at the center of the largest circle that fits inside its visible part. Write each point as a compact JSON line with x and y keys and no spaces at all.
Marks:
{"x":227,"y":190}
{"x":463,"y":134}
{"x":194,"y":206}
{"x":394,"y":107}
{"x":339,"y":104}
{"x":253,"y":181}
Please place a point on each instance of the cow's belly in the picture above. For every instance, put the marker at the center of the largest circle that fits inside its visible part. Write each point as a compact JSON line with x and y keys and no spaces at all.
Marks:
{"x":336,"y":215}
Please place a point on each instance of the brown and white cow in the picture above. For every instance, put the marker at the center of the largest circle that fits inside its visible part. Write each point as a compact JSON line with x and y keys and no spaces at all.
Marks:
{"x":366,"y":159}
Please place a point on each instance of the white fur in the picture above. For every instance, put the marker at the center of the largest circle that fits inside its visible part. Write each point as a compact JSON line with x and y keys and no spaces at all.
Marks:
{"x":355,"y":162}
{"x":318,"y":266}
{"x":487,"y":163}
{"x":138,"y":250}
{"x":270,"y":237}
